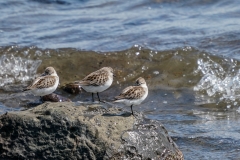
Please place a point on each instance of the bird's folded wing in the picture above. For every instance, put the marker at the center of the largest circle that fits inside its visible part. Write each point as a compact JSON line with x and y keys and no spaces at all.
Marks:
{"x":132,"y":92}
{"x":42,"y":82}
{"x":93,"y":79}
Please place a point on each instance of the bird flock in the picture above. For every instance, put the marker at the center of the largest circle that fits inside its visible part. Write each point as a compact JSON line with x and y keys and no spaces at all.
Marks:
{"x":95,"y":82}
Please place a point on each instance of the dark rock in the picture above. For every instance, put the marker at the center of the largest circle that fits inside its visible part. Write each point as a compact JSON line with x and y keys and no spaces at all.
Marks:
{"x":54,"y":98}
{"x":72,"y":88}
{"x":66,"y":131}
{"x":149,"y":139}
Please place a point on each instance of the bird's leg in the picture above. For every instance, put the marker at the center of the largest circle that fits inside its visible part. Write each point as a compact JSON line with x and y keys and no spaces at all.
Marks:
{"x":92,"y":97}
{"x":132,"y":111}
{"x":99,"y":98}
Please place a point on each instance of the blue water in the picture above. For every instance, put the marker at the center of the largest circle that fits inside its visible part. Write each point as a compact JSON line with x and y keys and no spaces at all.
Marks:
{"x":193,"y":45}
{"x":106,"y":25}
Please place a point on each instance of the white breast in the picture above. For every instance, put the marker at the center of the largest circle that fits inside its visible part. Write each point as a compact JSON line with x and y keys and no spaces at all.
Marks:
{"x":45,"y":91}
{"x":95,"y":89}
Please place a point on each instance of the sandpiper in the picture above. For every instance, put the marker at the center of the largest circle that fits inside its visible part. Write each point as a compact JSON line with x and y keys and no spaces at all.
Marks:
{"x":97,"y":81}
{"x":45,"y":84}
{"x":133,"y":95}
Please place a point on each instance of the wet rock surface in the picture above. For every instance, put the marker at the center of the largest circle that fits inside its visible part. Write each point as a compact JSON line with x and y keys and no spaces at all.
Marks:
{"x":69,"y":130}
{"x":54,"y":98}
{"x":72,"y":88}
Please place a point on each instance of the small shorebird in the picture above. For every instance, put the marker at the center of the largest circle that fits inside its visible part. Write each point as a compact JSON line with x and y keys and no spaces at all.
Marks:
{"x":133,"y":95}
{"x":45,"y":84}
{"x":97,"y":81}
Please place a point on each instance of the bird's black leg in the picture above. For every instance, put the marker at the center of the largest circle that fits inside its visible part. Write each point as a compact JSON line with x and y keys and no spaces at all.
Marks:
{"x":132,"y":111}
{"x":99,"y":98}
{"x":92,"y":97}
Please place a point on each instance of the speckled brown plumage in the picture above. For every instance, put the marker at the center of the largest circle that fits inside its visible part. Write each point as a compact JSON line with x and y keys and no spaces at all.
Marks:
{"x":132,"y":92}
{"x":42,"y":82}
{"x":97,"y":78}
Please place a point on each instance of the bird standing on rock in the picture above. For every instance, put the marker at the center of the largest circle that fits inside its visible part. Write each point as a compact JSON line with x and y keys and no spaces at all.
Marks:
{"x":45,"y":84}
{"x":133,"y":95}
{"x":97,"y":81}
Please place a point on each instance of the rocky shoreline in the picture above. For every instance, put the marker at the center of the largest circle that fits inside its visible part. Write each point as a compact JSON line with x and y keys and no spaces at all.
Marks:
{"x":67,"y":130}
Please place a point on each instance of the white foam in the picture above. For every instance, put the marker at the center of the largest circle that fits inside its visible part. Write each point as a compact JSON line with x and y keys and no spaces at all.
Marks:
{"x":15,"y":69}
{"x":219,"y":81}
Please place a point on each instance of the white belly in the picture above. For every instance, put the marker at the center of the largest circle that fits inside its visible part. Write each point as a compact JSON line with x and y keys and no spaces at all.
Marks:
{"x":44,"y":91}
{"x":96,"y":89}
